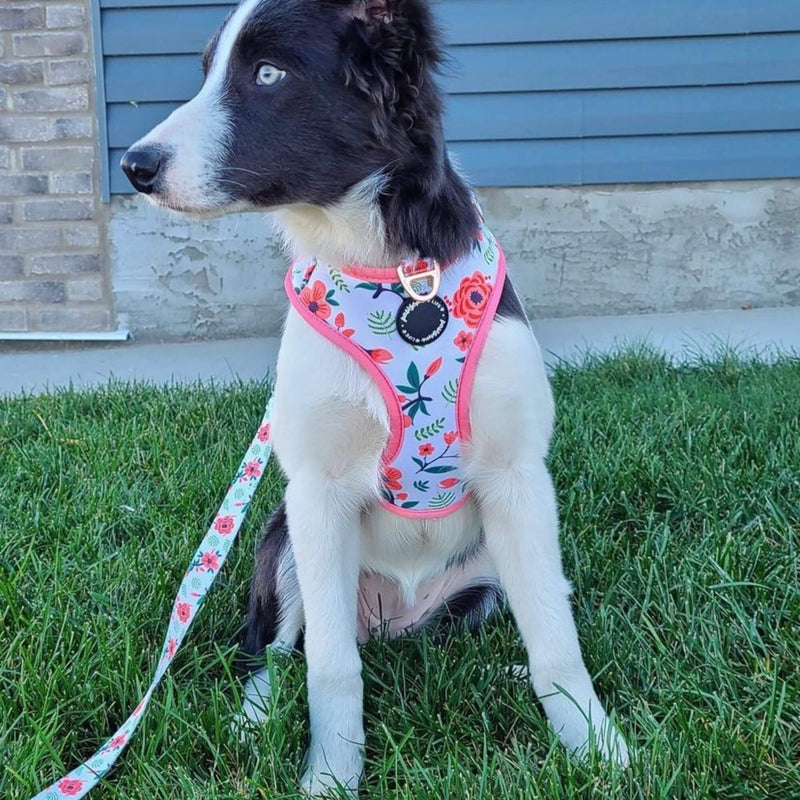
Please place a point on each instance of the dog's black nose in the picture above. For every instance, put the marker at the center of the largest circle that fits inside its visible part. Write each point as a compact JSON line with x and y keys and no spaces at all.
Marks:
{"x":141,"y":165}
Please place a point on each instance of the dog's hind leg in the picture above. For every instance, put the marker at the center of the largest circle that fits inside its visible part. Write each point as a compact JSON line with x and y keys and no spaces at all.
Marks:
{"x":467,"y":610}
{"x":275,"y":617}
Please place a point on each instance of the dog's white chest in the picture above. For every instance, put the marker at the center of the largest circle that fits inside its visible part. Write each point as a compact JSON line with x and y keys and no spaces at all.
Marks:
{"x":412,"y":552}
{"x":409,"y":567}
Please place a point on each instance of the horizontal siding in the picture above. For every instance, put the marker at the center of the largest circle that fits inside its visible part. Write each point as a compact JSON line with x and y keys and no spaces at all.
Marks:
{"x":542,"y":91}
{"x":477,"y":69}
{"x":632,"y":160}
{"x":551,"y":115}
{"x":504,"y":21}
{"x":644,"y":159}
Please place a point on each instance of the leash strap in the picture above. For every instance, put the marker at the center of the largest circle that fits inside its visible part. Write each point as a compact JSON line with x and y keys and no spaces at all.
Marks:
{"x":198,"y":580}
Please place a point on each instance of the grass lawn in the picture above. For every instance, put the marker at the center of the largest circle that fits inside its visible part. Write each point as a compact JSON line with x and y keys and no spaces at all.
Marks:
{"x":680,"y":498}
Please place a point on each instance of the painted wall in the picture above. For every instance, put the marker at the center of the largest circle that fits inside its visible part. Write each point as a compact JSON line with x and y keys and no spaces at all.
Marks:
{"x":571,"y":251}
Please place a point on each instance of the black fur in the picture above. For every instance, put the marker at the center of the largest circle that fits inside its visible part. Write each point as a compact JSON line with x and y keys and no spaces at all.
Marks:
{"x":470,"y":608}
{"x":510,"y":306}
{"x":359,"y":99}
{"x":262,"y":616}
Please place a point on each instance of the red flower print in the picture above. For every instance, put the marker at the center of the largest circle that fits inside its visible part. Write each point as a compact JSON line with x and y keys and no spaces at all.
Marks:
{"x":380,"y":356}
{"x":308,"y":272}
{"x":138,"y":710}
{"x":183,"y":611}
{"x":419,"y":266}
{"x":70,"y":786}
{"x":469,"y":301}
{"x":407,"y":421}
{"x":118,"y":741}
{"x":391,"y":479}
{"x":252,"y":469}
{"x":433,"y":367}
{"x":450,"y":437}
{"x":224,"y":525}
{"x":401,"y":496}
{"x":348,"y":332}
{"x":401,"y":398}
{"x":314,"y":300}
{"x":209,"y":560}
{"x":448,"y":483}
{"x":463,"y":341}
{"x":426,"y":449}
{"x":172,"y":646}
{"x":263,"y":433}
{"x":339,"y":321}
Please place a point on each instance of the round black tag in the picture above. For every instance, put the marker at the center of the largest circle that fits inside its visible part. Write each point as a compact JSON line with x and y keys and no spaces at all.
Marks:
{"x":422,"y":323}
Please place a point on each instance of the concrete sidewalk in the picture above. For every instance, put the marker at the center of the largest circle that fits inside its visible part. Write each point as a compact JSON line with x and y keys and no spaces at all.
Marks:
{"x":767,"y":332}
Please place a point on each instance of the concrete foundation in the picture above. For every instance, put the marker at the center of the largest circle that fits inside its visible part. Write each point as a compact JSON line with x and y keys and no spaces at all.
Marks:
{"x":571,"y":252}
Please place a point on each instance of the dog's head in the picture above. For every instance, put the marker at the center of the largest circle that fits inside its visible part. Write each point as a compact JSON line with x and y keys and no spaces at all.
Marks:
{"x":302,"y":100}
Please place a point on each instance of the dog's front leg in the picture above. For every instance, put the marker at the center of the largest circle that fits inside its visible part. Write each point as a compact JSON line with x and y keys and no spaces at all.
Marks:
{"x":324,"y":516}
{"x":521,"y":524}
{"x":512,"y":412}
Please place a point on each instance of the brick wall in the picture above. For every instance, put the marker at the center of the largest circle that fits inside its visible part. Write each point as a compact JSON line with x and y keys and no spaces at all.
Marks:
{"x":53,"y":268}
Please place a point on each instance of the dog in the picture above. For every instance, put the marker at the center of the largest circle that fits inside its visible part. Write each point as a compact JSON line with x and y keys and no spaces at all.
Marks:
{"x":327,"y":114}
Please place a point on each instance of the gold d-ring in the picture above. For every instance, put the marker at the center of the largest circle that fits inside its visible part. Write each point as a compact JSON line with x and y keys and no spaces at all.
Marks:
{"x":433,"y":274}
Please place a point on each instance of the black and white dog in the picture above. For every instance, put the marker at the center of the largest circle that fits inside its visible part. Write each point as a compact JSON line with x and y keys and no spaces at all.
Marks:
{"x":326,"y":113}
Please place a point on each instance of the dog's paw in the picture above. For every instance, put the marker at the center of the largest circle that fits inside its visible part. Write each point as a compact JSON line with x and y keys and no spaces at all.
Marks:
{"x":325,"y":785}
{"x":584,"y":727}
{"x":324,"y":778}
{"x":605,"y":740}
{"x":614,"y":748}
{"x":255,"y":706}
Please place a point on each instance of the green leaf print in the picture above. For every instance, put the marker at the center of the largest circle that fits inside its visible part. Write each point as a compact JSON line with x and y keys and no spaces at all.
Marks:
{"x":413,"y":375}
{"x":490,"y":253}
{"x":442,"y":500}
{"x":450,"y":392}
{"x":381,"y":323}
{"x":339,"y":281}
{"x":429,"y":431}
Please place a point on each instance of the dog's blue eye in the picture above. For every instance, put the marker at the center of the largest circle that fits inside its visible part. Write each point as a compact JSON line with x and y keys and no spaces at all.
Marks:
{"x":268,"y":75}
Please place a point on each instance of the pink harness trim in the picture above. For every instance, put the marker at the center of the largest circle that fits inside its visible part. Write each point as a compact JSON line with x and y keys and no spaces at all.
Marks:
{"x":324,"y":298}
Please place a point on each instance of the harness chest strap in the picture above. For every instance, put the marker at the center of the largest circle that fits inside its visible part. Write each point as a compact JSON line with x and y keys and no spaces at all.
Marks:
{"x":425,"y":379}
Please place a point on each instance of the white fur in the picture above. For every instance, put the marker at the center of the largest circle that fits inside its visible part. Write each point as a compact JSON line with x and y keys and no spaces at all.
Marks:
{"x":349,"y":232}
{"x":195,"y":134}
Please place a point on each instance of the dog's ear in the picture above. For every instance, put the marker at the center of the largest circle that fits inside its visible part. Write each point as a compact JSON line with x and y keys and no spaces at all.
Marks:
{"x":389,"y":49}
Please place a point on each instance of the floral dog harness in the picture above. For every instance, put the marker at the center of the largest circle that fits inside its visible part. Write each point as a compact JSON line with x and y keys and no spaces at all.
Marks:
{"x":426,"y":384}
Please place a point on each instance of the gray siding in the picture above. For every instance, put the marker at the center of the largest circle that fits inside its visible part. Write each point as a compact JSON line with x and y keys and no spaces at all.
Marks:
{"x":541,"y":92}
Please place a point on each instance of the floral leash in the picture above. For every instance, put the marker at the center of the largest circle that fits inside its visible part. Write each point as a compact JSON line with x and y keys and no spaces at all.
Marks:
{"x":198,"y":580}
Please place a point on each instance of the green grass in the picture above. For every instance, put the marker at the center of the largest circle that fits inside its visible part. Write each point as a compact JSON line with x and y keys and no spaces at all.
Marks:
{"x":680,"y":498}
